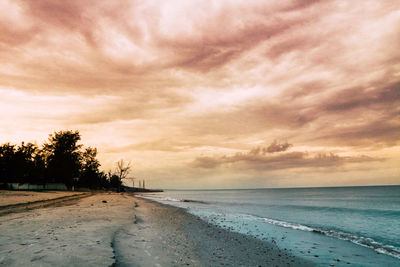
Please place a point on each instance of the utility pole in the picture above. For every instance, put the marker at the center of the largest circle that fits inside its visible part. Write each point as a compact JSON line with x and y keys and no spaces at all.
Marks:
{"x":143,"y":185}
{"x":132,"y":180}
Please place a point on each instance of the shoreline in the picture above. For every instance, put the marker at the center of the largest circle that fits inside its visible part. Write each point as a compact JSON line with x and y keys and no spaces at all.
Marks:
{"x":216,"y":246}
{"x":111,"y":229}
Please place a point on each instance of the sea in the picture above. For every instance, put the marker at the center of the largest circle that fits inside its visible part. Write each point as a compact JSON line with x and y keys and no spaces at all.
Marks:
{"x":343,"y":226}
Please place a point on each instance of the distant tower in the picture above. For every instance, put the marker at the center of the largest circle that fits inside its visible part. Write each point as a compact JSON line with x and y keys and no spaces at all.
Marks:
{"x":143,"y":185}
{"x":140,"y":184}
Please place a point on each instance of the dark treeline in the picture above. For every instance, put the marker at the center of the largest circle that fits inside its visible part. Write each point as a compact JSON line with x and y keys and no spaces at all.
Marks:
{"x":60,"y":160}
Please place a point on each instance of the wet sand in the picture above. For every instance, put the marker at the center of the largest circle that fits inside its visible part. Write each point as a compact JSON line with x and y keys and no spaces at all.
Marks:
{"x":120,"y":230}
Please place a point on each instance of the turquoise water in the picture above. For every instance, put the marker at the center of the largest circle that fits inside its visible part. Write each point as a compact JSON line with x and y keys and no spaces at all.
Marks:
{"x":344,"y":226}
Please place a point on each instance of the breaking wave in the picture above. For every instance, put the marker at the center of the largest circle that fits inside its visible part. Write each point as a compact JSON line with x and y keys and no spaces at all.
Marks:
{"x":359,"y":240}
{"x":156,"y":198}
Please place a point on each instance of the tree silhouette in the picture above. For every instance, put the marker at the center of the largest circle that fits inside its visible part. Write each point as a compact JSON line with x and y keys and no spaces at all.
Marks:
{"x":123,"y":169}
{"x":18,"y":164}
{"x":90,"y":175}
{"x":63,"y":157}
{"x":39,"y":169}
{"x":62,"y":160}
{"x":7,"y":158}
{"x":24,"y":161}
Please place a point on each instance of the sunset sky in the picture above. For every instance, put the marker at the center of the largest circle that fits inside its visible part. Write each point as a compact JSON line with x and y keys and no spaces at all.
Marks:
{"x":210,"y":94}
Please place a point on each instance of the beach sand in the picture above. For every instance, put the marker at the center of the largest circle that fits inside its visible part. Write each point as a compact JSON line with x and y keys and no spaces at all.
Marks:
{"x":8,"y":197}
{"x":112,"y":229}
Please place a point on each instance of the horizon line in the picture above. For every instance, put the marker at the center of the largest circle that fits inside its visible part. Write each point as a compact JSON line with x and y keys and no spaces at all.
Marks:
{"x":300,"y":187}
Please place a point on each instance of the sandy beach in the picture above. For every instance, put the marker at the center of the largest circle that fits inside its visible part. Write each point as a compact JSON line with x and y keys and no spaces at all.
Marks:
{"x":117,"y":229}
{"x":17,"y":197}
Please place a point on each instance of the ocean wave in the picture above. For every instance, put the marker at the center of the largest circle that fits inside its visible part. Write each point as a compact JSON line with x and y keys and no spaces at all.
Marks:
{"x":376,"y":212}
{"x":359,"y":240}
{"x":314,"y":208}
{"x":170,"y":199}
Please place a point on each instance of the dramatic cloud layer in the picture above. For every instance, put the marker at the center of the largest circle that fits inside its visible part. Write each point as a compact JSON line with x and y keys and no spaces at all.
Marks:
{"x":258,"y":158}
{"x":187,"y":89}
{"x":275,"y":147}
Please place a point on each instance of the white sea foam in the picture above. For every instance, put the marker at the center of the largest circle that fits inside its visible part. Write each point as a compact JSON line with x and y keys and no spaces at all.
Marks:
{"x":170,"y":199}
{"x":359,"y":240}
{"x":157,"y":198}
{"x":287,"y":224}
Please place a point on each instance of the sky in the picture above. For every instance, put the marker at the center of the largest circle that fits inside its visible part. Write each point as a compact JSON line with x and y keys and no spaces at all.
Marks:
{"x":210,"y":94}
